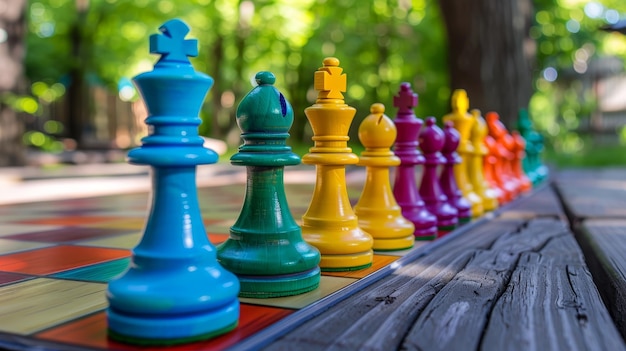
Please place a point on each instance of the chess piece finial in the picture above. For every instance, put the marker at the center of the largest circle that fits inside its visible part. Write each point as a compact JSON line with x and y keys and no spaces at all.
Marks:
{"x":407,"y":149}
{"x":378,"y":213}
{"x":265,"y":248}
{"x":172,"y":45}
{"x":330,"y":223}
{"x":406,"y":99}
{"x":329,"y":80}
{"x":447,"y":179}
{"x":377,"y":132}
{"x":431,"y":140}
{"x":174,"y":291}
{"x":264,"y":117}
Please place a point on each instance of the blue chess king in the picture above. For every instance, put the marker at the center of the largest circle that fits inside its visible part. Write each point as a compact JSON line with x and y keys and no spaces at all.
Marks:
{"x":174,"y":291}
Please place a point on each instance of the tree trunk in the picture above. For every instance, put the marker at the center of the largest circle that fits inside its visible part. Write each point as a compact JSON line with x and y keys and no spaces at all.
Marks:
{"x":12,"y":19}
{"x":78,"y":91}
{"x":490,"y":53}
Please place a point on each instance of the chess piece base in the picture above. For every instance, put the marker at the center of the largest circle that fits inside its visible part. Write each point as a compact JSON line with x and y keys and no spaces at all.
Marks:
{"x":342,"y":263}
{"x":490,"y":200}
{"x":464,"y":220}
{"x":150,"y":329}
{"x":263,"y":287}
{"x":476,"y":202}
{"x":394,"y":244}
{"x":443,"y":230}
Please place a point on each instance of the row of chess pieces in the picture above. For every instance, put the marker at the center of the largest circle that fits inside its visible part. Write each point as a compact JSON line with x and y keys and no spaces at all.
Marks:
{"x":483,"y":166}
{"x":180,"y":288}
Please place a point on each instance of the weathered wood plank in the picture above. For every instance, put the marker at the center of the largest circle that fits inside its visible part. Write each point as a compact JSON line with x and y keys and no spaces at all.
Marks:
{"x":551,"y":303}
{"x":456,"y":317}
{"x":604,"y":245}
{"x":542,"y":203}
{"x":532,"y":237}
{"x":593,"y":194}
{"x":378,"y":317}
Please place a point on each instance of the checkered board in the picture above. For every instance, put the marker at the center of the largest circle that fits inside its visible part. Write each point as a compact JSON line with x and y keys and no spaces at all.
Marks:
{"x":56,"y":259}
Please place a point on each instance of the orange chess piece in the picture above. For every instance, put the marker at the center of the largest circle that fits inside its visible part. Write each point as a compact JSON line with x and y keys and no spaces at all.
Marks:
{"x":520,"y":145}
{"x":503,"y":156}
{"x":490,"y":167}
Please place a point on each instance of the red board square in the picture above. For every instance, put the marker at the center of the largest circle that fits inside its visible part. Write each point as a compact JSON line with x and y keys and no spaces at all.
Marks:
{"x":57,"y":259}
{"x":69,"y":220}
{"x":65,"y":234}
{"x":92,"y":331}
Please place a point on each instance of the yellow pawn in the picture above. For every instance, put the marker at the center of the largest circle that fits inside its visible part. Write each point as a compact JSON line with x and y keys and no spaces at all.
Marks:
{"x":476,"y":166}
{"x":378,"y":212}
{"x":330,"y":224}
{"x":463,"y":121}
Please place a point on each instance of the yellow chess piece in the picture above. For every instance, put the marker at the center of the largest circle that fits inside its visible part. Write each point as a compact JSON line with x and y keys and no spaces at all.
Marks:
{"x":330,"y":224}
{"x":476,"y":166}
{"x":378,"y":212}
{"x":463,"y":121}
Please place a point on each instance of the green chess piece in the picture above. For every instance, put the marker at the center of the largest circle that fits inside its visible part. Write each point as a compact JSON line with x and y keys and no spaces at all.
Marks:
{"x":532,"y":164}
{"x":265,"y":248}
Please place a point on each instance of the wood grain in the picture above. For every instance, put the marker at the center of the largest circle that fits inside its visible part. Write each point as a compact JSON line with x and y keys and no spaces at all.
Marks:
{"x":604,"y":245}
{"x":542,"y":203}
{"x":378,"y":317}
{"x":551,"y":303}
{"x":456,"y":317}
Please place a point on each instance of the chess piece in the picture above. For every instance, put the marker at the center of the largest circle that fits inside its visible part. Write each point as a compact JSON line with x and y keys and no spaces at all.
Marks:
{"x":509,"y":143}
{"x":519,"y":154}
{"x":377,"y":210}
{"x":476,"y":169}
{"x":330,"y":223}
{"x":265,"y":248}
{"x":174,"y":290}
{"x":531,"y":164}
{"x":463,"y":121}
{"x":406,"y":148}
{"x":447,"y":178}
{"x":503,"y":156}
{"x":431,"y":140}
{"x":491,"y":169}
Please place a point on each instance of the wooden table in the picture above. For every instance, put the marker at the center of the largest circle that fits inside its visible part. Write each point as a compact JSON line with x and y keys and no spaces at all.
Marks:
{"x":543,"y":273}
{"x":517,"y":281}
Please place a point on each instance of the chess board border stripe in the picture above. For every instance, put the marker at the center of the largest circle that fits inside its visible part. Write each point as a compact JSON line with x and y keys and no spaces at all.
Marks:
{"x":264,"y":337}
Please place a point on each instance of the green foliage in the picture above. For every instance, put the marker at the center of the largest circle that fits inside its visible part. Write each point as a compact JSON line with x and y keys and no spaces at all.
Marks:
{"x":569,"y":44}
{"x":381,"y":43}
{"x":588,"y":156}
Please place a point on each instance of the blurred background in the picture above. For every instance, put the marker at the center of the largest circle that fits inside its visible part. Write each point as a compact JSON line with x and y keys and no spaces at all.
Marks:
{"x":66,"y":67}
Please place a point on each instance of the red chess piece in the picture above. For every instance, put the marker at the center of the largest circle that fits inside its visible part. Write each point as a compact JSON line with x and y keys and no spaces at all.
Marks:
{"x":520,"y":145}
{"x":490,"y":166}
{"x":501,"y":171}
{"x":509,"y":143}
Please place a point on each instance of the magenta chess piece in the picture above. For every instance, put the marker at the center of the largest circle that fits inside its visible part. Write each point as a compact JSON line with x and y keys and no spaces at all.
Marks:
{"x":431,"y":141}
{"x":406,"y":148}
{"x":447,"y":180}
